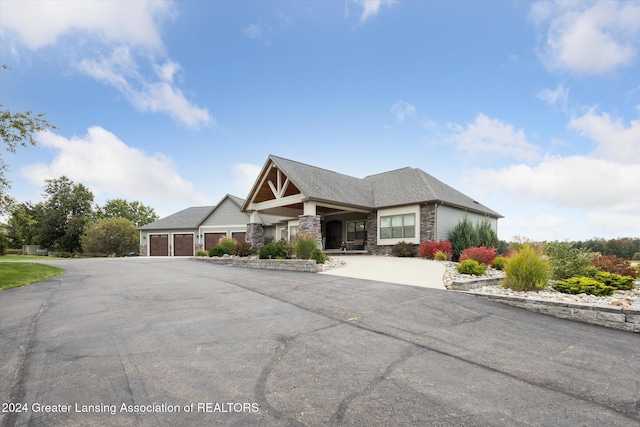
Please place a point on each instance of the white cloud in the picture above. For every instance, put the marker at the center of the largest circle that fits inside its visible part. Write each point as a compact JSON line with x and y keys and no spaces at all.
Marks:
{"x":107,"y":165}
{"x":615,"y":141}
{"x":539,"y":228}
{"x":129,"y":30}
{"x":253,"y":31}
{"x":559,"y":96}
{"x":371,"y":7}
{"x":575,"y":182}
{"x":486,"y":135}
{"x":588,"y":37}
{"x":612,"y":224}
{"x":402,"y":110}
{"x":42,"y":23}
{"x":121,"y":72}
{"x":245,"y":175}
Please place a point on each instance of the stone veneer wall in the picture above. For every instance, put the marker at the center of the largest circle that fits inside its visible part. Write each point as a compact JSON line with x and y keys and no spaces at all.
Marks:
{"x":255,"y":235}
{"x":310,"y":225}
{"x":303,"y":265}
{"x":372,"y":233}
{"x":143,"y":250}
{"x":427,"y":222}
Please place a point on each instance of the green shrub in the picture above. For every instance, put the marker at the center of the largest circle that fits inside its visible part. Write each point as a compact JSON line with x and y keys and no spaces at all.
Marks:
{"x":272,"y":251}
{"x":404,"y":249}
{"x":567,"y":261}
{"x":242,"y":249}
{"x":216,"y":251}
{"x":304,"y":247}
{"x":614,"y":280}
{"x":470,"y":266}
{"x":636,"y":256}
{"x":526,"y":270}
{"x":318,"y":256}
{"x":440,"y":256}
{"x":499,"y":263}
{"x":64,"y":254}
{"x":464,"y":235}
{"x":487,"y":236}
{"x":228,"y":245}
{"x":201,"y":252}
{"x":286,"y":247}
{"x":583,"y":285}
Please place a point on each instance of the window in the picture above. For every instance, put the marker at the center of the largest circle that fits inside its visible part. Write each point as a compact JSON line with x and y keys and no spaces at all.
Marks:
{"x":356,"y":230}
{"x":293,"y":231}
{"x":398,"y":226}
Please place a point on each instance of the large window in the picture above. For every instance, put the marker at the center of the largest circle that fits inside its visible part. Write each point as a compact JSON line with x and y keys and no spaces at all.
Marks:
{"x":356,"y":230}
{"x":398,"y":226}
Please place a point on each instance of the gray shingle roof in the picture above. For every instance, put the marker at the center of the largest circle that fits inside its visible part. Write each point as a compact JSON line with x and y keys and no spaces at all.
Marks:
{"x":187,"y":218}
{"x":394,"y":188}
{"x":323,"y":184}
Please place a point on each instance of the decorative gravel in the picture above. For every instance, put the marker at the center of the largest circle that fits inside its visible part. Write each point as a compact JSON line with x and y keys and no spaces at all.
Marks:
{"x":332,"y":264}
{"x":619,"y":298}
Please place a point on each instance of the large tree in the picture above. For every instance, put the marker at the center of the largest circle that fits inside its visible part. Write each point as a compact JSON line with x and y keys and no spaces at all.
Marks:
{"x":111,"y":236}
{"x":22,"y":226}
{"x":65,"y":212}
{"x":135,"y":211}
{"x":16,"y":129}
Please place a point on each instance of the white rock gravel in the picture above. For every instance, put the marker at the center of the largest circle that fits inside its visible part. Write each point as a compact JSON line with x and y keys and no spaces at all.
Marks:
{"x":619,"y":298}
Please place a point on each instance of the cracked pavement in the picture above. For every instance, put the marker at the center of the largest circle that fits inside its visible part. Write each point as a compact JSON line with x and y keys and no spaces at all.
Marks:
{"x":309,"y":349}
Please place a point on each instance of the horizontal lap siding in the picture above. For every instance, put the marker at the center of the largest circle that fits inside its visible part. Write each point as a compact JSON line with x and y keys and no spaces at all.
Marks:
{"x":448,"y":217}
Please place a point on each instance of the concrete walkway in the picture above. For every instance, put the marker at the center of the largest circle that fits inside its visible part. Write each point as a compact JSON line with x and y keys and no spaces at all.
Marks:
{"x":404,"y":271}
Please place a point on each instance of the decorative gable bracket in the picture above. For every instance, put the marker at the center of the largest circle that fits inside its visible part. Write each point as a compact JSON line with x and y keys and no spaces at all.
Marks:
{"x":280,"y":188}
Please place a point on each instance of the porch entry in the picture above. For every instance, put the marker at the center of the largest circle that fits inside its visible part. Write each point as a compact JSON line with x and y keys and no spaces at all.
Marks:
{"x":333,"y":234}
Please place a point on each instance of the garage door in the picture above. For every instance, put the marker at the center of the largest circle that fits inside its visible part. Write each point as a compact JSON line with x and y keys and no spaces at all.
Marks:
{"x":239,"y":237}
{"x":183,"y":245}
{"x":159,"y":244}
{"x":212,"y":239}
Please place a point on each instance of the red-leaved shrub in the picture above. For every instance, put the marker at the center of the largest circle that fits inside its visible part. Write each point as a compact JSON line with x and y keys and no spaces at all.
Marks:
{"x":429,"y":248}
{"x":615,"y":265}
{"x":481,"y":254}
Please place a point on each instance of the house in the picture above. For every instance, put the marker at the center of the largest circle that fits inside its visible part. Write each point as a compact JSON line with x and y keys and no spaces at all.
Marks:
{"x":201,"y":227}
{"x":371,"y":213}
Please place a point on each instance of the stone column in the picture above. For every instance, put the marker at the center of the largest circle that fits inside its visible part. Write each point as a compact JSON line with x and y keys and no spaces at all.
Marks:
{"x":372,"y":233}
{"x":310,"y":225}
{"x":255,"y":235}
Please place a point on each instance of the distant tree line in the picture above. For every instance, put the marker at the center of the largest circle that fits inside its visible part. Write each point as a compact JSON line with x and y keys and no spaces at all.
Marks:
{"x":67,"y":221}
{"x":622,"y":247}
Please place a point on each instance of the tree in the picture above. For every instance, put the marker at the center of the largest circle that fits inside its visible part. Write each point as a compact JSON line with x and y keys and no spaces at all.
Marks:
{"x":464,"y":235}
{"x":65,"y":211}
{"x":487,"y":236}
{"x":109,"y":236}
{"x":16,"y":129}
{"x":135,"y":211}
{"x":22,"y":226}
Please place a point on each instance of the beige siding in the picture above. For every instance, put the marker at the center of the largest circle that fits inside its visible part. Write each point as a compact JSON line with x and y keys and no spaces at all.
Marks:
{"x":447,"y":218}
{"x":226,"y":214}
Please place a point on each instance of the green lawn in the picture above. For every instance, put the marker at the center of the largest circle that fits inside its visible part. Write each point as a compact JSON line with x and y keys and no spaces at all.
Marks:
{"x":14,"y":274}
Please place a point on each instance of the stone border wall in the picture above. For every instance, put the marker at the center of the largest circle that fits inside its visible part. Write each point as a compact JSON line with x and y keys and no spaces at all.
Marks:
{"x":622,"y":318}
{"x":304,"y":265}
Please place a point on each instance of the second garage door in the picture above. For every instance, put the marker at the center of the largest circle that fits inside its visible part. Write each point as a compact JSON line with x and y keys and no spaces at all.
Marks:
{"x":183,"y":245}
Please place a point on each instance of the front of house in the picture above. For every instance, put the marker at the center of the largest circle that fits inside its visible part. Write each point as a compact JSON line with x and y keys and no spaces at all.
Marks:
{"x":368,"y":214}
{"x":371,"y":213}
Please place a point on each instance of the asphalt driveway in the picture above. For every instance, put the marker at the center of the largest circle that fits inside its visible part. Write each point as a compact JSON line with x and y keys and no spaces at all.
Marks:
{"x":176,"y":342}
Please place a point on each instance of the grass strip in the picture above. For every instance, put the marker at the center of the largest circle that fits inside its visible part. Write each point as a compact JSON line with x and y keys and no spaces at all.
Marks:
{"x":14,"y":274}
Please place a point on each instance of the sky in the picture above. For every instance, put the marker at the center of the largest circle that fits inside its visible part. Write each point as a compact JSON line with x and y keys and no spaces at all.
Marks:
{"x":531,"y":108}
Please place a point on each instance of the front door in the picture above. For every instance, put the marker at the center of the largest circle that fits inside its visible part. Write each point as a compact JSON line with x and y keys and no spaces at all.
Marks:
{"x":333,"y":234}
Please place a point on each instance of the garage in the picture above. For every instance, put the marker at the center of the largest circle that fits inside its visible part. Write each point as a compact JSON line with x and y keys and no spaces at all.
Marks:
{"x":212,"y":239}
{"x":159,"y":245}
{"x":239,"y":236}
{"x":183,"y":245}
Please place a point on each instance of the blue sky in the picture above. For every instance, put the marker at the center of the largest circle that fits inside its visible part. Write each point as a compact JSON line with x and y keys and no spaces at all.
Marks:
{"x":532,"y":108}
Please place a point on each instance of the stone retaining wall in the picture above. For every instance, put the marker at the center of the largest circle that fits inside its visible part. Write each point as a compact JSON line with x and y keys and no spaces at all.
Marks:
{"x":622,"y":318}
{"x":305,"y":265}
